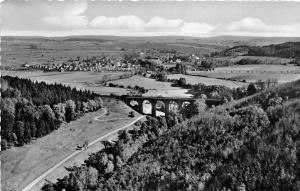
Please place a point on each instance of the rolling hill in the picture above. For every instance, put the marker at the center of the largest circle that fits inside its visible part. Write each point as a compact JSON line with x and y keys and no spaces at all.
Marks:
{"x":285,"y":50}
{"x":17,"y":50}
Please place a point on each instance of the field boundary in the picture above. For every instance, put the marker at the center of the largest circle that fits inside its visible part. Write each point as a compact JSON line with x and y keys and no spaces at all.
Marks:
{"x":219,"y":78}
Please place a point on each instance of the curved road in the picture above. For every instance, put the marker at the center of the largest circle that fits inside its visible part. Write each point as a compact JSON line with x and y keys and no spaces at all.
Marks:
{"x":42,"y":176}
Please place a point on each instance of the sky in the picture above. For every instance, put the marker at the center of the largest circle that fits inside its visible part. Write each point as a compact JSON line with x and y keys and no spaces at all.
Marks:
{"x":149,"y":18}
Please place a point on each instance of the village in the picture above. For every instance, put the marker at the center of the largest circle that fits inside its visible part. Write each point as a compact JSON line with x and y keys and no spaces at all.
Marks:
{"x":94,"y":64}
{"x":129,"y":61}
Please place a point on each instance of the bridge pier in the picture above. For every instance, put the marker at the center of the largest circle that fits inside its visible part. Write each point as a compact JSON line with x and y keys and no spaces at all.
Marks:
{"x":153,"y":107}
{"x":179,"y":103}
{"x":167,"y":107}
{"x":166,"y":101}
{"x":141,"y":108}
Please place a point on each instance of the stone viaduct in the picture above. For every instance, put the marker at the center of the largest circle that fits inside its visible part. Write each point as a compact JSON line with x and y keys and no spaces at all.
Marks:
{"x":166,"y":100}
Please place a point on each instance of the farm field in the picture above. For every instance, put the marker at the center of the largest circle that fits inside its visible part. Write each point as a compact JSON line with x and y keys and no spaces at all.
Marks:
{"x":252,"y":73}
{"x":42,"y":50}
{"x":207,"y":81}
{"x":80,"y":80}
{"x":156,"y":88}
{"x":21,"y":165}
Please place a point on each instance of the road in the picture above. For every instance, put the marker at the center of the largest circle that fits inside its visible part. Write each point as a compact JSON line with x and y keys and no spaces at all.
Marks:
{"x":42,"y":176}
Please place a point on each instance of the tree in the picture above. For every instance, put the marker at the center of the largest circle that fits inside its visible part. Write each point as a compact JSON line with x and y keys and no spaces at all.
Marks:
{"x":7,"y":123}
{"x":42,"y":129}
{"x":91,"y":177}
{"x":180,"y":68}
{"x":181,"y":82}
{"x":170,"y":120}
{"x":85,"y":107}
{"x":3,"y":144}
{"x":275,"y":100}
{"x":260,"y":84}
{"x":59,"y":111}
{"x":48,"y":187}
{"x":131,"y":57}
{"x":239,"y":92}
{"x":14,"y":138}
{"x":162,"y":77}
{"x":252,"y":89}
{"x":207,"y":64}
{"x":99,"y":102}
{"x":124,"y":136}
{"x":29,"y":103}
{"x":109,"y":167}
{"x":70,"y":110}
{"x":20,"y":132}
{"x":4,"y":85}
{"x":47,"y":112}
{"x":48,"y":116}
{"x":251,"y":121}
{"x":27,"y":132}
{"x":194,"y":108}
{"x":92,"y":104}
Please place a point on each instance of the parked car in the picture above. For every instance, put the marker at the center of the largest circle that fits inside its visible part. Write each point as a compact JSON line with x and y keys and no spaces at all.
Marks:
{"x":131,"y":114}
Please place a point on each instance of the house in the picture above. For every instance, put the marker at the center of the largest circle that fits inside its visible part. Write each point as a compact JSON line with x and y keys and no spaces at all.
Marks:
{"x":26,"y":65}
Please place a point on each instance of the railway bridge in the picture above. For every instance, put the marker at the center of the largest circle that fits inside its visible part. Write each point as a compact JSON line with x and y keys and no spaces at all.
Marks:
{"x":180,"y":101}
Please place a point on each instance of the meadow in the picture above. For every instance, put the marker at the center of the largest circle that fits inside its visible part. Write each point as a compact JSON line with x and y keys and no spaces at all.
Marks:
{"x":80,"y":80}
{"x":92,"y":81}
{"x":155,"y":88}
{"x":252,"y":73}
{"x":207,"y":81}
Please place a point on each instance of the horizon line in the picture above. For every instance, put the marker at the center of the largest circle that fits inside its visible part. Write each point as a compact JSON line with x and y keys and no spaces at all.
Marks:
{"x":89,"y":35}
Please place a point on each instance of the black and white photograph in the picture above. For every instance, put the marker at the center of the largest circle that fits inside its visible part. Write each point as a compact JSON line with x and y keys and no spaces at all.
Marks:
{"x":120,"y":95}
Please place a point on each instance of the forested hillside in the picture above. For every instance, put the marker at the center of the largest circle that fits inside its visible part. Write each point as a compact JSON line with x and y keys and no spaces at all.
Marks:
{"x":31,"y":109}
{"x":252,"y":146}
{"x":285,"y":50}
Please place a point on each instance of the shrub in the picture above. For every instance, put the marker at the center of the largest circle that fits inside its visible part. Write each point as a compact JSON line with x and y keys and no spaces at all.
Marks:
{"x":252,"y":89}
{"x":3,"y":144}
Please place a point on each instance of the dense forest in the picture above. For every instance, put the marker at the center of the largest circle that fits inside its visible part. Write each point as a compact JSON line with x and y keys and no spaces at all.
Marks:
{"x":285,"y":50}
{"x":252,"y":145}
{"x":32,"y":109}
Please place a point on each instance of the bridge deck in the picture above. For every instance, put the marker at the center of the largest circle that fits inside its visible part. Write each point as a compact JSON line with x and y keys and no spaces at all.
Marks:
{"x":167,"y":98}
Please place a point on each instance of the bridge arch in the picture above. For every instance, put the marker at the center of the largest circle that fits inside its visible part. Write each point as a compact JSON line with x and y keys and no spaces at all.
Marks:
{"x":160,"y":108}
{"x":147,"y":107}
{"x":174,"y":106}
{"x":155,"y":103}
{"x":185,"y":103}
{"x":134,"y":104}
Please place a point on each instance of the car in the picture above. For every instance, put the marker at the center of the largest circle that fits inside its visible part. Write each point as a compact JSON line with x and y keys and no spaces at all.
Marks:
{"x":131,"y":114}
{"x":79,"y":147}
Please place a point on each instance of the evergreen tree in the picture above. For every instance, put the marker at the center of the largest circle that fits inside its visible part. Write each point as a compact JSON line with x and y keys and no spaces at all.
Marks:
{"x":70,"y":110}
{"x":20,"y":132}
